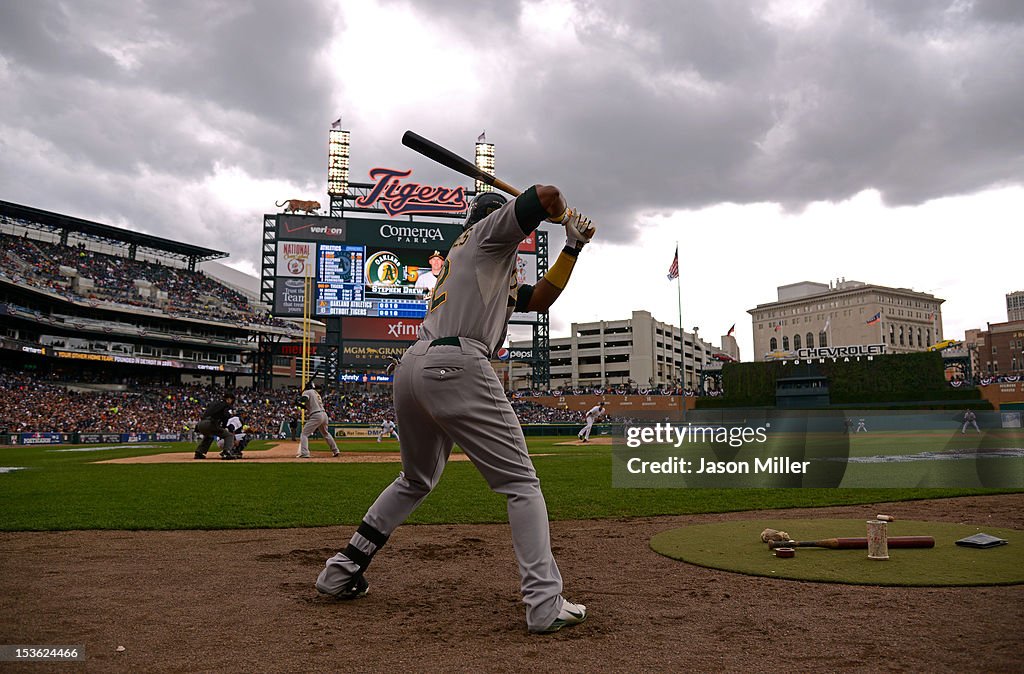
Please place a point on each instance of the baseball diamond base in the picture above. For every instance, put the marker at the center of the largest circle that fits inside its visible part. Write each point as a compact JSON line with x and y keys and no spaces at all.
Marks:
{"x":736,"y":546}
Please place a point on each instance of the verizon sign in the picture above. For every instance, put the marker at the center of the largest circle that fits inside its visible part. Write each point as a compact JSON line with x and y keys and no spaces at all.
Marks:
{"x":387,"y":329}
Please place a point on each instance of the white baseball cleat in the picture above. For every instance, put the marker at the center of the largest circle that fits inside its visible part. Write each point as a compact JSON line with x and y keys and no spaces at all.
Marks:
{"x":571,"y":614}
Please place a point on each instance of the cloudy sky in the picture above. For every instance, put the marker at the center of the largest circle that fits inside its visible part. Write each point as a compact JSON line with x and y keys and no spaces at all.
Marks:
{"x":775,"y":141}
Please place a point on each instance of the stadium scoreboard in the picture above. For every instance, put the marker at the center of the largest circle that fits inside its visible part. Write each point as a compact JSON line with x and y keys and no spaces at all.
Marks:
{"x":363,"y":267}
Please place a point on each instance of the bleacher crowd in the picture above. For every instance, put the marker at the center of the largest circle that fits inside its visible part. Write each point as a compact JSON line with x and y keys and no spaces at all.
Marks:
{"x":186,"y":293}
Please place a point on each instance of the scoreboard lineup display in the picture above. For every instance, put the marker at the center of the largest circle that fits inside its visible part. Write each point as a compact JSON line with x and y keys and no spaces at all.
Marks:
{"x":354,"y":281}
{"x":363,"y":267}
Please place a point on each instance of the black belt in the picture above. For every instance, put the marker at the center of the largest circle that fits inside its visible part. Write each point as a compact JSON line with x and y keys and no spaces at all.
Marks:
{"x":446,"y":341}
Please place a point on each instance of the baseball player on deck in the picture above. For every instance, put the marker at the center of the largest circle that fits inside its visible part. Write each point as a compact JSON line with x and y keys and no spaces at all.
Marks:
{"x":593,"y":414}
{"x":316,"y":420}
{"x":387,"y":429}
{"x":447,"y":392}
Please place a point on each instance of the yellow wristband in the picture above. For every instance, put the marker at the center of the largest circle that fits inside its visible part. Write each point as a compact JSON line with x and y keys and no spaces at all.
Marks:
{"x":558,"y":274}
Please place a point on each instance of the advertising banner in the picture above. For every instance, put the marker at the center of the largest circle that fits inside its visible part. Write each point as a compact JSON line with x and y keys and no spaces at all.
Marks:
{"x":370,"y":354}
{"x":387,"y":329}
{"x":296,"y":259}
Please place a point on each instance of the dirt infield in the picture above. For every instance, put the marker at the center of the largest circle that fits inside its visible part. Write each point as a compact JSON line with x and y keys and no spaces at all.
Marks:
{"x":445,"y":597}
{"x":282,"y":452}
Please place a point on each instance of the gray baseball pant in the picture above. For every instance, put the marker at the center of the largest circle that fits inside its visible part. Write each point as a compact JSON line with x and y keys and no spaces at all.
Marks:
{"x":317,"y":421}
{"x":450,"y":394}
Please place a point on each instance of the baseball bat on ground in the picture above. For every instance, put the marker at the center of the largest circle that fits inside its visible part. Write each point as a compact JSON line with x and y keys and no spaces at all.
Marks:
{"x":856,"y":543}
{"x":446,"y":157}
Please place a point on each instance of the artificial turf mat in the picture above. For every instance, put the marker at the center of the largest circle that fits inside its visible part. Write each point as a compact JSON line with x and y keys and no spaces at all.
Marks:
{"x":736,"y":546}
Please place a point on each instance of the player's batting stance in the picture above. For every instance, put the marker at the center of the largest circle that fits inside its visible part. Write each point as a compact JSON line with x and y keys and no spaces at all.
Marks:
{"x":593,"y":414}
{"x":446,"y":392}
{"x":316,"y":420}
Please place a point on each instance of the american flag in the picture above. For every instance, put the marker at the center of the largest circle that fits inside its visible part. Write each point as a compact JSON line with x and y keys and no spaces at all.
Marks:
{"x":336,"y":124}
{"x":482,"y":138}
{"x":731,"y":330}
{"x":673,"y":270}
{"x":874,"y":319}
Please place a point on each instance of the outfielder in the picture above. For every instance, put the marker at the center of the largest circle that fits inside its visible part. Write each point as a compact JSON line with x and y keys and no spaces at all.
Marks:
{"x":316,"y":420}
{"x":387,"y":429}
{"x":970,"y":419}
{"x":446,"y":392}
{"x":593,"y":414}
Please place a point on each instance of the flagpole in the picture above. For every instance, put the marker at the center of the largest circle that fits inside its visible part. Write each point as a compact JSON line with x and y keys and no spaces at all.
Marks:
{"x":682,"y":337}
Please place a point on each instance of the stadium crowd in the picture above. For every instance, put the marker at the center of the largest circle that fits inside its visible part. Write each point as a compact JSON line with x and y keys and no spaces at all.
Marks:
{"x":28,"y":406}
{"x":618,"y":390}
{"x":185,"y":293}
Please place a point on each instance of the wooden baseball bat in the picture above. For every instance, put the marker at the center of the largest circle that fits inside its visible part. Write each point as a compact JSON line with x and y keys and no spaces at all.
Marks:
{"x":857,"y":543}
{"x":446,"y":157}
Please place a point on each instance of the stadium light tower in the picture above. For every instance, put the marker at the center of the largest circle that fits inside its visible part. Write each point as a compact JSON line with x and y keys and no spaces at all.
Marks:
{"x":337,"y":160}
{"x":484,"y":160}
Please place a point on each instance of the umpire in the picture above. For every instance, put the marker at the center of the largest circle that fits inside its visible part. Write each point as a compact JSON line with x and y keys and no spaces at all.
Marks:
{"x":214,"y":424}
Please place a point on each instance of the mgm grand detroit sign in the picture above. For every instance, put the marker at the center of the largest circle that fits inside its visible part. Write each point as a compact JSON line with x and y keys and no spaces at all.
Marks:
{"x":822,"y":354}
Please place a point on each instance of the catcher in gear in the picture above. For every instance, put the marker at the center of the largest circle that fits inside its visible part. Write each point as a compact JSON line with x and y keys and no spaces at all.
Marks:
{"x":446,"y":392}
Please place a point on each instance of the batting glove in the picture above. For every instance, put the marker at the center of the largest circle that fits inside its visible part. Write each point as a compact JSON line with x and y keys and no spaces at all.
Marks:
{"x":578,"y":229}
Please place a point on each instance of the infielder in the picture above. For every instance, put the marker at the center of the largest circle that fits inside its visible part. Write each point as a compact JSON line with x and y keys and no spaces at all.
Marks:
{"x":446,"y":392}
{"x":316,"y":420}
{"x":970,"y":418}
{"x":214,"y":425}
{"x":593,"y":414}
{"x":861,"y":426}
{"x":387,"y":429}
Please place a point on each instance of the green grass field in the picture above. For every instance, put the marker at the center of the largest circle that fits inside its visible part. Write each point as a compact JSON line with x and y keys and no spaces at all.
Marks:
{"x":61,"y":490}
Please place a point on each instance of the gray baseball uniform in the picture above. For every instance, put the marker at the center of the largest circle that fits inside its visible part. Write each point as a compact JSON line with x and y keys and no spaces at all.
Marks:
{"x":388,"y":430}
{"x":593,"y":414}
{"x":316,"y":420}
{"x":447,"y":392}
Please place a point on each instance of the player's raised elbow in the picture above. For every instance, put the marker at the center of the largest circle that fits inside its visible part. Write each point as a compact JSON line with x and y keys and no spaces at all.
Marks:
{"x":551,"y":199}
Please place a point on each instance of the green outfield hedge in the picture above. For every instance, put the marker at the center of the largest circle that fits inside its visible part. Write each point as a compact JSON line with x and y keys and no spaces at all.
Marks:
{"x":912,"y":378}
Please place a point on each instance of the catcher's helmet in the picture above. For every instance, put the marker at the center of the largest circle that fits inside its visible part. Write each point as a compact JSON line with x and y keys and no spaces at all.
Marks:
{"x":483,"y":205}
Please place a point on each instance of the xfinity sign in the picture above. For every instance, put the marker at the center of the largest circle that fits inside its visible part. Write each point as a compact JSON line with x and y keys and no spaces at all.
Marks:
{"x":387,"y":329}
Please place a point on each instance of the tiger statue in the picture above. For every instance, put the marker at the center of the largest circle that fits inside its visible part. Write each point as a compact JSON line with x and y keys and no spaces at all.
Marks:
{"x":296,"y":205}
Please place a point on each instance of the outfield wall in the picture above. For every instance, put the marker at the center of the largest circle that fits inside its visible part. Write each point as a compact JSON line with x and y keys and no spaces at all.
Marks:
{"x":616,"y":405}
{"x":1004,"y":394}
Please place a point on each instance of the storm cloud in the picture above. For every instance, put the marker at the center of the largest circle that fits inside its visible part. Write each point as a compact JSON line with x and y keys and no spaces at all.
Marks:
{"x":188,"y":119}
